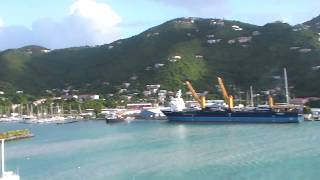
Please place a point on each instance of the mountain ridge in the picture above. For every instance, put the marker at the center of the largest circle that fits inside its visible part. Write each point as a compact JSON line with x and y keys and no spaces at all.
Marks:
{"x":244,"y":54}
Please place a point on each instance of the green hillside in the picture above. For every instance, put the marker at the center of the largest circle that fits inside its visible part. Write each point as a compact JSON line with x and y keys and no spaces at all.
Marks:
{"x":181,"y":49}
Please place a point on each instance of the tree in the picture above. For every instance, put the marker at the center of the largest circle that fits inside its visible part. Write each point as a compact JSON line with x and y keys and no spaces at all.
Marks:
{"x":96,"y":105}
{"x":110,"y":103}
{"x":20,"y":99}
{"x":314,"y":104}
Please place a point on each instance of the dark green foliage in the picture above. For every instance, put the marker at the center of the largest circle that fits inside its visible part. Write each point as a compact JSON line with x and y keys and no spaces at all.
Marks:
{"x":313,"y":104}
{"x":96,"y":105}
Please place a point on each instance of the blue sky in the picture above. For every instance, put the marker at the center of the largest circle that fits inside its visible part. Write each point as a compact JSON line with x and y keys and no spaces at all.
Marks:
{"x":66,"y":23}
{"x":137,"y":15}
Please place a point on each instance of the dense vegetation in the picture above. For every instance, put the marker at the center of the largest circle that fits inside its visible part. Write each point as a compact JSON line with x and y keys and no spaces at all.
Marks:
{"x":103,"y":69}
{"x":313,"y":104}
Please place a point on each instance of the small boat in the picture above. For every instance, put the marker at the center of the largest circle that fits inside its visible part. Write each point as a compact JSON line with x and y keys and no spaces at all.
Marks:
{"x":113,"y":118}
{"x":68,"y":121}
{"x":152,"y":114}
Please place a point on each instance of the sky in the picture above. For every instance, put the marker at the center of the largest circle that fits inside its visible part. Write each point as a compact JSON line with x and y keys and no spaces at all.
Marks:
{"x":68,"y":23}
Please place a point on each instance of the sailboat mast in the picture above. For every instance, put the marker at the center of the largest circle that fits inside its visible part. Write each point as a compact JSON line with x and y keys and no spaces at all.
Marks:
{"x":286,"y":85}
{"x":28,"y":111}
{"x":31,"y":109}
{"x":80,"y":111}
{"x":251,"y":96}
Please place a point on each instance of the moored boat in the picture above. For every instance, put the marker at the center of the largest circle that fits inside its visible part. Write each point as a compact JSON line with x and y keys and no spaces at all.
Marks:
{"x":179,"y":113}
{"x":113,"y":118}
{"x":208,"y":115}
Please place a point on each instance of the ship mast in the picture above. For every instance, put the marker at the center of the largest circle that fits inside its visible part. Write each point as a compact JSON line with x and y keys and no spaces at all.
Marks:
{"x":251,"y":96}
{"x":286,"y":85}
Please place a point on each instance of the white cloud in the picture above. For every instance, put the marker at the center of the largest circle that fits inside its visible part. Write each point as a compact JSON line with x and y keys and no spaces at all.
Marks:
{"x":100,"y":14}
{"x":88,"y":23}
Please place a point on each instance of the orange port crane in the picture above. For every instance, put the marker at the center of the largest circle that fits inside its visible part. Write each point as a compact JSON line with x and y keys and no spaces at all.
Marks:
{"x":201,"y":100}
{"x":227,"y":98}
{"x":271,"y":101}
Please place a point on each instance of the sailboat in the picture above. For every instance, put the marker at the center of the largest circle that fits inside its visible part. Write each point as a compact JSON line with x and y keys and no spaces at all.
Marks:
{"x":6,"y":175}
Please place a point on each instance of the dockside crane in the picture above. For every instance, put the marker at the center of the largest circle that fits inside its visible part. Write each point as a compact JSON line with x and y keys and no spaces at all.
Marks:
{"x":200,"y":99}
{"x":227,"y":98}
{"x":270,"y":101}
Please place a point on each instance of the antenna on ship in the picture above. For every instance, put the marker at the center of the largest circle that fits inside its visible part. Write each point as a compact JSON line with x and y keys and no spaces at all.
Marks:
{"x":286,"y":85}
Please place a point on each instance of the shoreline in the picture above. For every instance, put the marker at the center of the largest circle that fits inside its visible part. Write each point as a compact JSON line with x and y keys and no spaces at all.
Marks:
{"x":16,"y":135}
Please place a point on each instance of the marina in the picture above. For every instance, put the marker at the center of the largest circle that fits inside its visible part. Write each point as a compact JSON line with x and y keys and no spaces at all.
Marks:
{"x":159,"y":90}
{"x":160,"y":150}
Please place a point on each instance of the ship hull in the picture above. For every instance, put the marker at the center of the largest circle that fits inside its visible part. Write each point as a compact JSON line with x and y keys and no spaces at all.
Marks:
{"x":234,"y":117}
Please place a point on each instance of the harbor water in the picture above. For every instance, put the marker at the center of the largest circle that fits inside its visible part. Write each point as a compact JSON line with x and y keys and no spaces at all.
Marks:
{"x":147,"y":150}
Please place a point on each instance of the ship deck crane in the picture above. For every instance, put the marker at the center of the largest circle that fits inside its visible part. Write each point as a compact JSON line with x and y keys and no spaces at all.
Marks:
{"x":227,"y":98}
{"x":200,"y":99}
{"x":270,"y":101}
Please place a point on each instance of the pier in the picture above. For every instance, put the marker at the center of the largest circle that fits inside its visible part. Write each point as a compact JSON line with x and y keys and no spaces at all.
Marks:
{"x":16,"y":135}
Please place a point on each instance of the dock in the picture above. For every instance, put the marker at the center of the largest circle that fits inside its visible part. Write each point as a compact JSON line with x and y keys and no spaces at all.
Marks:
{"x":16,"y":135}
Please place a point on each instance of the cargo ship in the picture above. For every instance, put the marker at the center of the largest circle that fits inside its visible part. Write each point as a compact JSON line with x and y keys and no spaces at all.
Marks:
{"x":270,"y":114}
{"x":254,"y":116}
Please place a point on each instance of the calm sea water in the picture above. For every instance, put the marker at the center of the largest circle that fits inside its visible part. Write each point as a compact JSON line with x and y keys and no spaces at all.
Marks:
{"x":148,"y":150}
